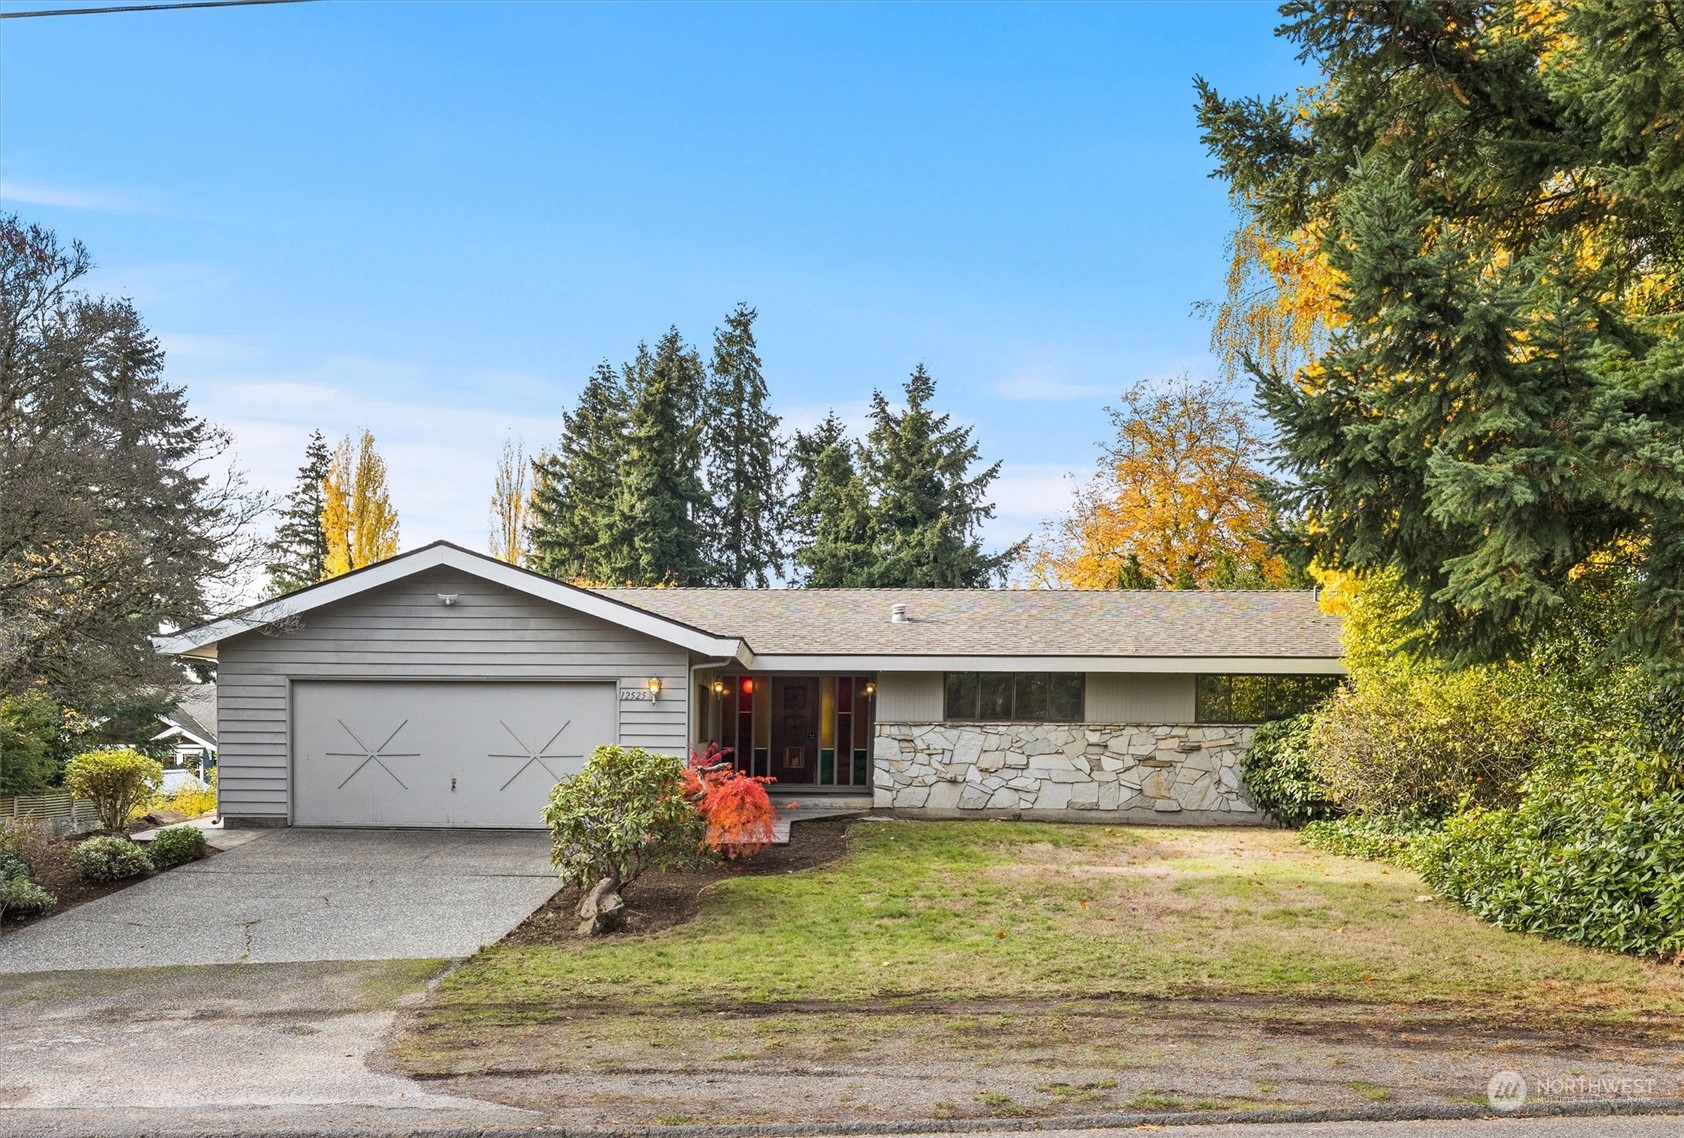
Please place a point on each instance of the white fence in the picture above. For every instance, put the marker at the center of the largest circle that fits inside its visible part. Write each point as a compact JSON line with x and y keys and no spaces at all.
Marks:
{"x":66,"y":815}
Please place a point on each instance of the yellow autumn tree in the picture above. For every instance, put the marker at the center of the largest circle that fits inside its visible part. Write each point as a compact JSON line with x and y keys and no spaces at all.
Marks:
{"x":1175,"y":502}
{"x":357,"y":513}
{"x":510,"y":503}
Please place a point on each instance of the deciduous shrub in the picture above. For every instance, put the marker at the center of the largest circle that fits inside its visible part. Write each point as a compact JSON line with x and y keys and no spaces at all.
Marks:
{"x":192,"y":800}
{"x":117,"y":782}
{"x":1416,"y":749}
{"x":1279,"y":775}
{"x":740,"y":817}
{"x":175,"y":846}
{"x":110,"y":857}
{"x":623,"y":814}
{"x":1596,"y":858}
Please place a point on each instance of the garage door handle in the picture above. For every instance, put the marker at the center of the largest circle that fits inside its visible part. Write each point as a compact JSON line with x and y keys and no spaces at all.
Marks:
{"x":453,"y":786}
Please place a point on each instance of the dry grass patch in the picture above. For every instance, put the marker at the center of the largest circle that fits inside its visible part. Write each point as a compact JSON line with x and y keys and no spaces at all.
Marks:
{"x":1073,"y":969}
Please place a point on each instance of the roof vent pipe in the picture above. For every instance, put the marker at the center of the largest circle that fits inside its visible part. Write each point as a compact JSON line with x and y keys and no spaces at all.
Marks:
{"x":897,"y":614}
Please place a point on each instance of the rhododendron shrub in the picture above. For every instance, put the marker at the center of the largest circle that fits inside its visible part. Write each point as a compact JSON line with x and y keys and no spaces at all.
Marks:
{"x":739,"y":814}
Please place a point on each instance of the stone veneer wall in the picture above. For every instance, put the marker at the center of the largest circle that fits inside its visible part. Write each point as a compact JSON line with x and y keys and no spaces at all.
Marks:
{"x":1160,"y":773}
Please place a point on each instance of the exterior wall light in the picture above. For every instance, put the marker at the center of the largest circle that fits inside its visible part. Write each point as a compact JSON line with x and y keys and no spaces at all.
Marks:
{"x":654,"y":685}
{"x":719,"y":687}
{"x":870,"y":688}
{"x":448,"y":598}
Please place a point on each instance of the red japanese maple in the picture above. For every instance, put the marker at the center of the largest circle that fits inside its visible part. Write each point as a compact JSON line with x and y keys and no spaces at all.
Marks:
{"x":735,"y":806}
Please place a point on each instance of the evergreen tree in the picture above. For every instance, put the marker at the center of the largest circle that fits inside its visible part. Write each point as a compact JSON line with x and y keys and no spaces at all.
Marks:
{"x":298,"y":551}
{"x":655,"y":535}
{"x":741,"y":445}
{"x":926,"y":503}
{"x":1482,"y":203}
{"x":120,"y":512}
{"x":830,"y":515}
{"x":574,"y":489}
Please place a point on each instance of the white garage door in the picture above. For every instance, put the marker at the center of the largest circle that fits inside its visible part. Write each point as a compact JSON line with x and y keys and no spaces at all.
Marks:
{"x":440,"y":754}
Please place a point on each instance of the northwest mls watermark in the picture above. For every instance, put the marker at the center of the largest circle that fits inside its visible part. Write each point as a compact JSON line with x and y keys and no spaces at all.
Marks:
{"x":1510,"y":1090}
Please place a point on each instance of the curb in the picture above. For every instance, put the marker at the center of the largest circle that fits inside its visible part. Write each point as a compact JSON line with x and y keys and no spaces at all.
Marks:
{"x":64,"y":1126}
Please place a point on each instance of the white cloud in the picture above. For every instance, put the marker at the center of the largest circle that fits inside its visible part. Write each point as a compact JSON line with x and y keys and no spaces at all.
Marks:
{"x":190,"y":345}
{"x":440,"y":450}
{"x":61,"y":197}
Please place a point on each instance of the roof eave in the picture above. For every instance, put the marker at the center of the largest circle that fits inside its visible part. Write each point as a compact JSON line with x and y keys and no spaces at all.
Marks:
{"x":912,"y":662}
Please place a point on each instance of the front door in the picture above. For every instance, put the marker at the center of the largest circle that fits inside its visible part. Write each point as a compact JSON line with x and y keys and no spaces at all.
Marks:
{"x":795,"y":728}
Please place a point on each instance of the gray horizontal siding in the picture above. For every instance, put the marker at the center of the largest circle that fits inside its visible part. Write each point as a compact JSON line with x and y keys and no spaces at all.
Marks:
{"x":1139,"y":697}
{"x":403,"y":631}
{"x":910,"y":697}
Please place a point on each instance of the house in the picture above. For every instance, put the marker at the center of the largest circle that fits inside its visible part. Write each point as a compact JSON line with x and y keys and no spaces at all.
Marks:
{"x":443,"y":688}
{"x":190,"y":731}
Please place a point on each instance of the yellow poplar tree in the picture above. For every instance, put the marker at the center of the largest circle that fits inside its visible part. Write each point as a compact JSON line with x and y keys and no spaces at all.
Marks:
{"x":510,"y":503}
{"x":1175,"y":502}
{"x":357,"y":513}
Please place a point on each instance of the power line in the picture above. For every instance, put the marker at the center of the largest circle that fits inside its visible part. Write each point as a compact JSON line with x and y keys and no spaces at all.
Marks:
{"x":145,"y":8}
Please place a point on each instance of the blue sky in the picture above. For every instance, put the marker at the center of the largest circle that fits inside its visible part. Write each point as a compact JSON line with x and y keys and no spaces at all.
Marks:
{"x":434,"y":219}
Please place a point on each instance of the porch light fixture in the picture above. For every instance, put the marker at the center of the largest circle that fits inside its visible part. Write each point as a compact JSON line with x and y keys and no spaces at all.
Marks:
{"x":719,"y":687}
{"x":654,"y":685}
{"x":870,"y":688}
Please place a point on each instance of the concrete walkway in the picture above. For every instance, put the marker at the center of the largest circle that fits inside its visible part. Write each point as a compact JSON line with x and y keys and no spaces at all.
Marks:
{"x":298,"y":895}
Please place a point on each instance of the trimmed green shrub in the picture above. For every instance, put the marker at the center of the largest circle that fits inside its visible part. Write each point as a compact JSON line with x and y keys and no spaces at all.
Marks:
{"x":117,"y":782}
{"x":12,"y":866}
{"x":623,"y":814}
{"x":109,"y":857}
{"x":175,"y":846}
{"x":1278,"y":774}
{"x":1596,"y":859}
{"x":21,"y":897}
{"x":1375,"y":837}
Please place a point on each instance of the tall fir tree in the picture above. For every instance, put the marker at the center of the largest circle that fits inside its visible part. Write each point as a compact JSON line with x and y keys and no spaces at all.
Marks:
{"x":927,"y":504}
{"x":655,"y":534}
{"x":1480,"y":207}
{"x":574,"y":489}
{"x":740,"y":444}
{"x":298,"y":551}
{"x":830,"y":515}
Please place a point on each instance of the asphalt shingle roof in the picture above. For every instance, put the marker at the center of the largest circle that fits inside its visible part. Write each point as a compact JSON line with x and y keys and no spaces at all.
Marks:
{"x":1004,"y":622}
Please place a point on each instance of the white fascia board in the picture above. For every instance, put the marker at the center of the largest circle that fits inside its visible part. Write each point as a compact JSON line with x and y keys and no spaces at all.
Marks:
{"x":1239,"y":665}
{"x":200,"y":642}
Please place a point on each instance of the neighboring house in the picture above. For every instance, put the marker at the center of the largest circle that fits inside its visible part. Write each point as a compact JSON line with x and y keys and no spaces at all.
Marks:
{"x":444,"y":688}
{"x":190,"y":730}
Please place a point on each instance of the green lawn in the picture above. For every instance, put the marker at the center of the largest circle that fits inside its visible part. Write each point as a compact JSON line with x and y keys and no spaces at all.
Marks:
{"x":997,"y":910}
{"x":974,"y":969}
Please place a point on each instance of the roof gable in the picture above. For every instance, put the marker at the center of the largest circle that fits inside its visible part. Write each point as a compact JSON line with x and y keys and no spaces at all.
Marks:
{"x":201,"y":641}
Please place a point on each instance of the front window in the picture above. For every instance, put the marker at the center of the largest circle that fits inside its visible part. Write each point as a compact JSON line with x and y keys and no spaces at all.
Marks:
{"x":1258,"y":699}
{"x":1015,"y":697}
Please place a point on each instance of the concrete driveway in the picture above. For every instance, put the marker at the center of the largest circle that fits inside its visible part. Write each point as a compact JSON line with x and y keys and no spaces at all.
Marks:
{"x":300,"y":895}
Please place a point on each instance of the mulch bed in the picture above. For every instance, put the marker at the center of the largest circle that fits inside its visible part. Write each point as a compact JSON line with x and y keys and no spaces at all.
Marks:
{"x":660,"y":900}
{"x":56,"y":875}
